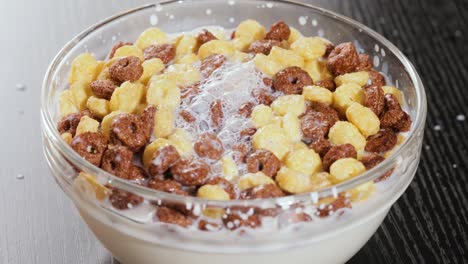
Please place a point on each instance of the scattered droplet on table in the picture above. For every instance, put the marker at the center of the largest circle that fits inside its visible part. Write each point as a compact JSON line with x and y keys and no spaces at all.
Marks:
{"x":21,"y":87}
{"x":454,"y":165}
{"x":461,"y":117}
{"x":437,"y":128}
{"x":19,"y":176}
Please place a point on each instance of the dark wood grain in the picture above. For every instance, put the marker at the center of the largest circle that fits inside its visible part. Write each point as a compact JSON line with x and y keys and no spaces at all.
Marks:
{"x":38,"y":224}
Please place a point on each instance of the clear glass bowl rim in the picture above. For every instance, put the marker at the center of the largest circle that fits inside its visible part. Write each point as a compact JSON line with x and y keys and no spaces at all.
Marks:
{"x":52,"y":134}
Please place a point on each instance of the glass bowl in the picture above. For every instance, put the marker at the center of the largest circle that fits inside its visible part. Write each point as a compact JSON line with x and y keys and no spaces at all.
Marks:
{"x":330,"y":237}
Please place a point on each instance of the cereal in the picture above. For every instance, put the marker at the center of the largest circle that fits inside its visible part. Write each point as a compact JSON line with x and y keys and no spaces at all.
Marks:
{"x":130,"y":131}
{"x":393,"y":116}
{"x":279,"y":31}
{"x":266,"y":64}
{"x":229,"y":167}
{"x":395,"y":92}
{"x":374,"y":98}
{"x":187,"y":116}
{"x":264,"y":161}
{"x":126,"y":69}
{"x":272,"y":138}
{"x":222,"y":47}
{"x":163,"y":122}
{"x":164,"y":93}
{"x":250,"y":180}
{"x":80,"y":91}
{"x":286,"y":58}
{"x":204,"y":37}
{"x":327,"y":84}
{"x":67,"y":137}
{"x":318,"y":94}
{"x":117,"y":46}
{"x":347,"y":94}
{"x":90,"y":145}
{"x":123,"y":200}
{"x":217,"y":114}
{"x":345,"y":169}
{"x":316,"y":124}
{"x":117,"y":160}
{"x":293,"y":181}
{"x":343,"y":59}
{"x":169,"y":186}
{"x":127,"y":97}
{"x":361,"y":78}
{"x":164,"y":52}
{"x":211,"y":63}
{"x":209,"y":145}
{"x":261,"y":115}
{"x":163,"y":159}
{"x":128,"y":50}
{"x":346,"y":133}
{"x":376,"y":78}
{"x":262,"y":192}
{"x":151,"y":36}
{"x":263,"y":46}
{"x":262,"y":96}
{"x":294,"y":104}
{"x":103,"y":88}
{"x":363,"y":118}
{"x":87,"y":124}
{"x":172,"y":216}
{"x":330,"y":208}
{"x":365,"y":63}
{"x":236,"y":220}
{"x":250,"y":30}
{"x":294,"y":35}
{"x":383,"y":141}
{"x":309,"y":48}
{"x":305,"y":161}
{"x":338,"y":152}
{"x":320,"y":180}
{"x":291,"y":127}
{"x":362,"y":192}
{"x":182,"y":142}
{"x":67,"y":103}
{"x":83,"y":68}
{"x":69,"y":123}
{"x":291,"y":80}
{"x":213,"y":192}
{"x":320,"y":145}
{"x":191,"y":172}
{"x":182,"y":74}
{"x":227,"y":186}
{"x":150,"y":68}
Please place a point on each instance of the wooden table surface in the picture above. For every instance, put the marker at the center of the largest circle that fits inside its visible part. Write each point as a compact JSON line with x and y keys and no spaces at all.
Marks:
{"x":38,"y":223}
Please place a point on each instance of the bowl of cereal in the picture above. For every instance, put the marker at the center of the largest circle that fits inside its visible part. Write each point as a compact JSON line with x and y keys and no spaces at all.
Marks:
{"x":232,"y":131}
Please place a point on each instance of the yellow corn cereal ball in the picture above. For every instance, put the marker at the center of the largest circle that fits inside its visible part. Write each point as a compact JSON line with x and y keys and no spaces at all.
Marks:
{"x":292,"y":127}
{"x":320,"y":180}
{"x":298,"y":146}
{"x":84,"y":68}
{"x":218,"y":33}
{"x":250,"y":180}
{"x":266,"y":65}
{"x":150,"y":68}
{"x":286,"y":58}
{"x":67,"y":137}
{"x":272,"y":138}
{"x":127,"y":97}
{"x":151,"y":148}
{"x":250,"y":30}
{"x":364,"y":119}
{"x":186,"y":45}
{"x":313,"y":68}
{"x":163,"y":92}
{"x":362,"y":192}
{"x":240,"y":56}
{"x":293,"y":181}
{"x":97,"y":106}
{"x":295,"y":35}
{"x":216,"y":46}
{"x":163,"y":121}
{"x":261,"y":115}
{"x":107,"y":122}
{"x":182,"y":74}
{"x":309,"y":48}
{"x":87,"y":124}
{"x":305,"y":161}
{"x":241,"y":44}
{"x":345,"y":169}
{"x":318,"y":94}
{"x":361,"y":78}
{"x":88,"y":185}
{"x":128,"y":50}
{"x":393,"y":90}
{"x":182,"y":141}
{"x":213,"y":192}
{"x":186,"y":59}
{"x":294,"y":104}
{"x":81,"y":91}
{"x":347,"y":94}
{"x":229,"y":168}
{"x":151,"y":36}
{"x":67,"y":103}
{"x":343,"y":132}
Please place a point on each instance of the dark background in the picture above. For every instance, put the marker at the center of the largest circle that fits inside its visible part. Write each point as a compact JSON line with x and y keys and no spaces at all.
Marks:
{"x":428,"y":224}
